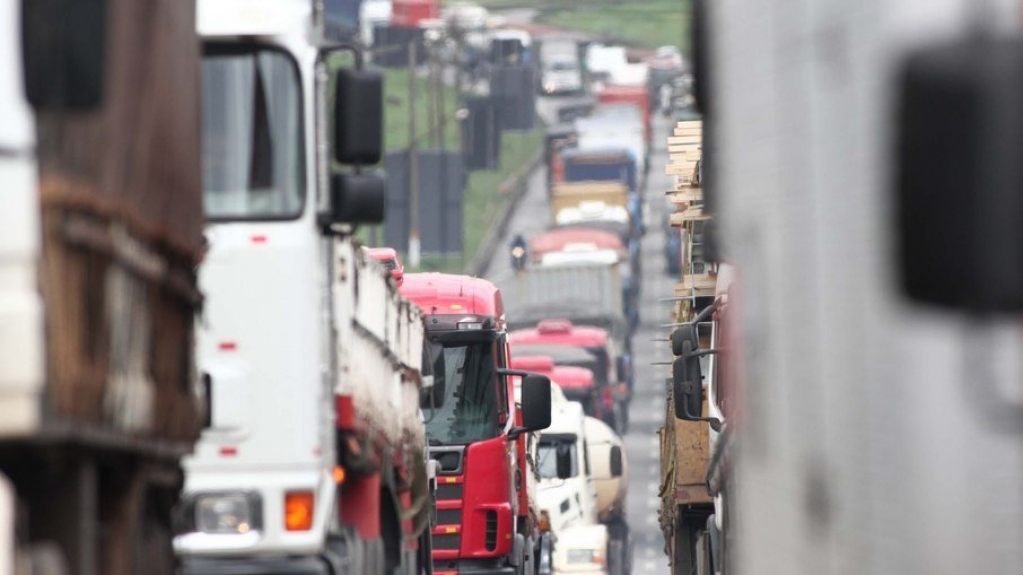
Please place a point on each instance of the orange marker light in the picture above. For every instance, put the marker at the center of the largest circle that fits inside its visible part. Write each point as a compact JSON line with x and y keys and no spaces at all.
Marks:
{"x":339,"y":474}
{"x":298,"y":510}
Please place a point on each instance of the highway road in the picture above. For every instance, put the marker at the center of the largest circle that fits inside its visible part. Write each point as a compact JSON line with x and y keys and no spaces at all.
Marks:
{"x":647,"y":409}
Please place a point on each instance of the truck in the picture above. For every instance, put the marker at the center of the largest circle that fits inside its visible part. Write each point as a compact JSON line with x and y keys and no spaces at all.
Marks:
{"x":577,"y":382}
{"x":561,"y":71}
{"x":880,"y":431}
{"x":481,"y":437}
{"x":566,"y":239}
{"x":100,"y":237}
{"x":611,"y":193}
{"x":586,"y":292}
{"x":313,"y":455}
{"x":583,"y":482}
{"x":607,"y":395}
{"x":618,"y":124}
{"x":686,"y":504}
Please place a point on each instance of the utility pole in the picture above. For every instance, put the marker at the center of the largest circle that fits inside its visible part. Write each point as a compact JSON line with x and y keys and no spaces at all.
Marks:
{"x":413,"y":162}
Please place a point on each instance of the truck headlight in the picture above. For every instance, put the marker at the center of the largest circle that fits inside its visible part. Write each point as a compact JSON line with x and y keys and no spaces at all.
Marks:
{"x":226,"y":513}
{"x":580,"y":556}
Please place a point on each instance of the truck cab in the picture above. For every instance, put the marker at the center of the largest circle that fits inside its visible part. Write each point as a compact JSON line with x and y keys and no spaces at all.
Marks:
{"x":487,"y":515}
{"x":582,"y":490}
{"x":264,"y":487}
{"x":609,"y":397}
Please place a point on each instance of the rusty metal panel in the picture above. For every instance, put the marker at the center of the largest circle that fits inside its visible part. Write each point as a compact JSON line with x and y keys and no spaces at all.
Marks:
{"x":121,"y":201}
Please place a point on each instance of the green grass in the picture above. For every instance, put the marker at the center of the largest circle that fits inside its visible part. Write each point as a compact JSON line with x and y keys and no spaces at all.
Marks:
{"x":649,"y":23}
{"x":483,"y":195}
{"x":397,"y":110}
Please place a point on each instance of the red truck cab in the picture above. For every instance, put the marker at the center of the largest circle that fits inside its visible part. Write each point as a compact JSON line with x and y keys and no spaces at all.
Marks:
{"x":486,"y":520}
{"x":575,"y":382}
{"x":608,"y":398}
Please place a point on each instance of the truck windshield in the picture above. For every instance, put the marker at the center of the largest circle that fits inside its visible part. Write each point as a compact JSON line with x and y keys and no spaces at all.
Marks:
{"x":547,"y":458}
{"x":470,"y":410}
{"x":252,"y":152}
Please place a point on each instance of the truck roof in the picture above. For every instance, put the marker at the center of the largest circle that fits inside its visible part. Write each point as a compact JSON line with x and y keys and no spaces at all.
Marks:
{"x":560,"y":331}
{"x":437,"y":293}
{"x":556,"y":240}
{"x":564,"y":375}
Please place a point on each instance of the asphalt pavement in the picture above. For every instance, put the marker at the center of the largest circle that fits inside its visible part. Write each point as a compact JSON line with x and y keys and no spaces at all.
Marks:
{"x":648,"y":404}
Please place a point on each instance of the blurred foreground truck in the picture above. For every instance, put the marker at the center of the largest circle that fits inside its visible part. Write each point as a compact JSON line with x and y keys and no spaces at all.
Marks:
{"x":100,"y":235}
{"x":481,"y":437}
{"x":862,"y":376}
{"x":313,"y":456}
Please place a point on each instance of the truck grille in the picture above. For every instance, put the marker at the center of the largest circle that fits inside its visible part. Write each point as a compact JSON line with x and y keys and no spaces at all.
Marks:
{"x":449,"y":517}
{"x":491,"y":535}
{"x":449,"y":491}
{"x":447,"y":542}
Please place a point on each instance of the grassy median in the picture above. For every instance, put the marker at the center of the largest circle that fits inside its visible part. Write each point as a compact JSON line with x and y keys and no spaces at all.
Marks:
{"x":483,"y":194}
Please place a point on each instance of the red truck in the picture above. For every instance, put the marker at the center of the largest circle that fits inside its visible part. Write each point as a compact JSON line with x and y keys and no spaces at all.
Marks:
{"x":608,"y":398}
{"x":487,"y":518}
{"x":577,"y":383}
{"x":637,"y":95}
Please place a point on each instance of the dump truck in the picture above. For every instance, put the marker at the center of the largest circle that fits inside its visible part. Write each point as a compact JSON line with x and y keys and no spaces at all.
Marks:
{"x":313,"y":455}
{"x":100,"y":236}
{"x":481,"y":437}
{"x":574,"y":194}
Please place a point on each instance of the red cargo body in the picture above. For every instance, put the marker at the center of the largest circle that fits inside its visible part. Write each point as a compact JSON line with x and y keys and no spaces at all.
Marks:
{"x":561,"y":239}
{"x":410,"y":13}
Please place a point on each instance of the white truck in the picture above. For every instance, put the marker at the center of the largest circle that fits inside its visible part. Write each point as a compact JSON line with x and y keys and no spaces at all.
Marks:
{"x":560,"y":69}
{"x":100,"y":232}
{"x":312,"y":460}
{"x":583,"y":482}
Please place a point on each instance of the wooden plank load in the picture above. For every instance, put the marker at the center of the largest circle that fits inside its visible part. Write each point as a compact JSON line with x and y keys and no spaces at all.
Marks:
{"x":684,"y":444}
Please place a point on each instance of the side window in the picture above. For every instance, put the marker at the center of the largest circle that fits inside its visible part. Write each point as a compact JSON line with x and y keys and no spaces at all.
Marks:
{"x":503,"y":359}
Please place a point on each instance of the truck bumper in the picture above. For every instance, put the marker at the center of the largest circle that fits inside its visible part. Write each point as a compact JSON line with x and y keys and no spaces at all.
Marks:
{"x":473,"y":567}
{"x":254,"y":566}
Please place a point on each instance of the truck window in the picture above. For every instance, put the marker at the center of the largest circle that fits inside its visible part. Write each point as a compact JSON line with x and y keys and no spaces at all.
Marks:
{"x":547,"y":463}
{"x":252,"y":151}
{"x":471,"y":406}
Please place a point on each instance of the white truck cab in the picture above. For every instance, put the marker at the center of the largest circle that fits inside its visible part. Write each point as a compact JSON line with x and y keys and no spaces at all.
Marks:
{"x":582,"y":483}
{"x":261,"y":488}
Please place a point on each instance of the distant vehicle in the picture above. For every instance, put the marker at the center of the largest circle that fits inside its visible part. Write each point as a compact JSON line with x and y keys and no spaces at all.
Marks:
{"x":390,"y":260}
{"x":561,"y":72}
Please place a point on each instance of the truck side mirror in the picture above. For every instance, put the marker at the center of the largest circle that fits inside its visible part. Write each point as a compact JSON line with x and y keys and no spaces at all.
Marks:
{"x":357,"y":199}
{"x":687,"y":381}
{"x":536,"y":402}
{"x":433,"y":366}
{"x":358,"y":116}
{"x":616,"y":464}
{"x":681,"y":335}
{"x":64,"y":49}
{"x":959,"y":175}
{"x":564,"y":460}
